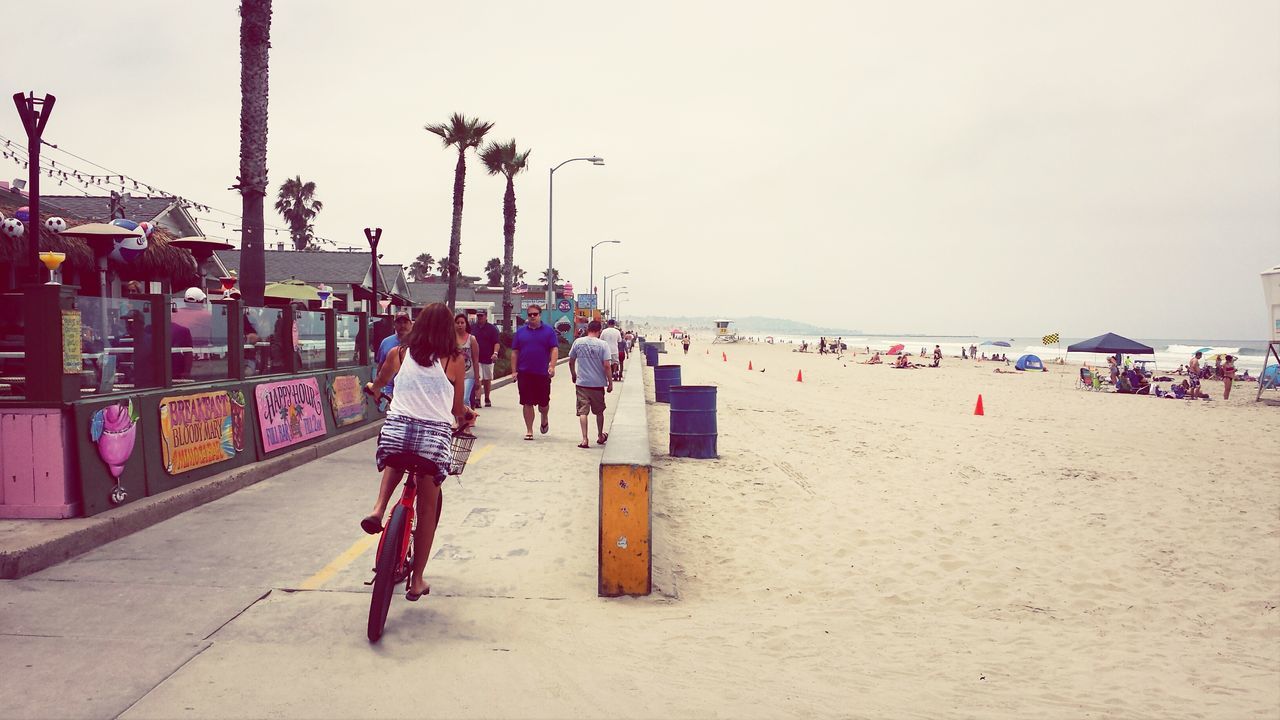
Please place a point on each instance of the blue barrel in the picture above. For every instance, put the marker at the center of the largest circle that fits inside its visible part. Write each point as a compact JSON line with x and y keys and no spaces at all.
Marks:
{"x":664,"y":378}
{"x":693,"y":421}
{"x":650,"y":355}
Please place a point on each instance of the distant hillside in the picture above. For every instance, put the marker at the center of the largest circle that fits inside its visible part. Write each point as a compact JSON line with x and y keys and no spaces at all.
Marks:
{"x":753,"y":325}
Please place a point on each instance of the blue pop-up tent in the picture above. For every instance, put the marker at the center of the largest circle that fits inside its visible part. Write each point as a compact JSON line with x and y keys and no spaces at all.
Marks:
{"x":1029,"y":362}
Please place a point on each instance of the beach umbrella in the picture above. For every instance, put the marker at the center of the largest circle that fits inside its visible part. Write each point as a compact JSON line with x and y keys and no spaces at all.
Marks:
{"x":291,"y":289}
{"x":1203,"y":350}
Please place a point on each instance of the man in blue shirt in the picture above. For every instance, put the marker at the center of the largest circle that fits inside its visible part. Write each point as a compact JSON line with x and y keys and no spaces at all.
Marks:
{"x":534,"y":351}
{"x":402,"y":325}
{"x":487,"y":343}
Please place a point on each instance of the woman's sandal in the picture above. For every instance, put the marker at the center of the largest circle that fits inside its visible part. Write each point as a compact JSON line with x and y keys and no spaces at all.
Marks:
{"x":371,"y":524}
{"x":584,"y":444}
{"x":411,"y":596}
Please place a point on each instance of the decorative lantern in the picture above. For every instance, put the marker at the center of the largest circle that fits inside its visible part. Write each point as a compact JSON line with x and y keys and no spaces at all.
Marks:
{"x":23,"y":213}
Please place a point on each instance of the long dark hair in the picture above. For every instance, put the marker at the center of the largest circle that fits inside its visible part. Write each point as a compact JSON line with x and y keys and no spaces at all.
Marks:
{"x":432,"y":336}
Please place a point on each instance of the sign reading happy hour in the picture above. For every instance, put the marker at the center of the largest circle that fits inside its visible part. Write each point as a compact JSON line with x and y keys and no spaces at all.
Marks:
{"x":289,"y":412}
{"x":200,"y":429}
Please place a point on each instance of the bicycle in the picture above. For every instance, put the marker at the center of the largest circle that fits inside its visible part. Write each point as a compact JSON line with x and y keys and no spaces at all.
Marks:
{"x":394,"y":557}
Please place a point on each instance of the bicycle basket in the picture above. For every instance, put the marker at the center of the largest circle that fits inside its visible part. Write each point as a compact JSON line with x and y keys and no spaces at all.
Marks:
{"x":461,"y":446}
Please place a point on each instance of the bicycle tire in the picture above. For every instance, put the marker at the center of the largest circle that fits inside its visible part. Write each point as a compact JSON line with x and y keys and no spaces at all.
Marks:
{"x":384,"y":576}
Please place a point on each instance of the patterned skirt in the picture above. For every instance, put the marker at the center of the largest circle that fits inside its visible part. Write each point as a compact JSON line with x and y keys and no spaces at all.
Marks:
{"x":426,"y":439}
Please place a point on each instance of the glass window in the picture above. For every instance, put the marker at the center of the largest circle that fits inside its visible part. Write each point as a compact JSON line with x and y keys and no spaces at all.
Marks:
{"x":198,"y":332}
{"x":13,"y":369}
{"x":309,"y":338}
{"x":117,"y":344}
{"x":348,"y":328}
{"x":262,"y":354}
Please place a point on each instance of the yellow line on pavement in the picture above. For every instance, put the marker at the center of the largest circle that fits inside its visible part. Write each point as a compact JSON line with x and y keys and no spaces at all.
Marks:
{"x":364,"y":544}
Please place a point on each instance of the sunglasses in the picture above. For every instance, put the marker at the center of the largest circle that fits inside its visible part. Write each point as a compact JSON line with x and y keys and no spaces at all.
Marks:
{"x":535,"y":314}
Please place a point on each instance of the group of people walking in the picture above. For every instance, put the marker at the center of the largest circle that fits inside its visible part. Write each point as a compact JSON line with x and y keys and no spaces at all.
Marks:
{"x":437,"y":370}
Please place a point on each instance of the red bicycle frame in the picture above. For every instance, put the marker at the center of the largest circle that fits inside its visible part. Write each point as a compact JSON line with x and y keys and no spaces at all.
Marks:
{"x":407,"y":498}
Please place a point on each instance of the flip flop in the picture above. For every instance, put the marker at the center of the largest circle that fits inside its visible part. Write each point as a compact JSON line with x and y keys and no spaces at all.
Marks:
{"x":584,"y":444}
{"x":528,"y":436}
{"x":412,"y":596}
{"x":371,"y":524}
{"x":545,"y":427}
{"x":604,"y":438}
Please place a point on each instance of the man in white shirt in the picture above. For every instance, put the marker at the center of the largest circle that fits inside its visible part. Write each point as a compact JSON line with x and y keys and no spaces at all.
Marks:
{"x":589,"y":366}
{"x":613,"y":338}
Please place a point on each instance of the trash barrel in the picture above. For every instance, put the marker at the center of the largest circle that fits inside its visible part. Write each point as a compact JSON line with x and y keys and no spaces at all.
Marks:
{"x":664,"y":378}
{"x":693,"y":421}
{"x":650,"y":354}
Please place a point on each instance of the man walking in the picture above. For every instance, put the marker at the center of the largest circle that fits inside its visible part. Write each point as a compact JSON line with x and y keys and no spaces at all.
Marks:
{"x":534,"y":352}
{"x":589,"y":366}
{"x":613,"y":338}
{"x":487,"y":344}
{"x":403,"y":324}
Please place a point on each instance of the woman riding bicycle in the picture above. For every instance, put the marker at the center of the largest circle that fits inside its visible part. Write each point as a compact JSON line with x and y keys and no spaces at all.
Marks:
{"x":429,"y":375}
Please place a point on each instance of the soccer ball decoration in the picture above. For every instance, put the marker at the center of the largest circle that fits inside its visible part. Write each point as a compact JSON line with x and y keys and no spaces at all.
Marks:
{"x":56,"y":224}
{"x":23,"y":213}
{"x":128,"y":249}
{"x":12,"y":228}
{"x":146,"y":228}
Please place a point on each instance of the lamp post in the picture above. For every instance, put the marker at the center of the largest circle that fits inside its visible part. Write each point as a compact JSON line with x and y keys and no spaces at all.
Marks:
{"x":612,"y":294}
{"x":618,"y":300}
{"x":373,"y":236}
{"x":591,"y":279}
{"x":606,"y":285}
{"x":551,"y":187}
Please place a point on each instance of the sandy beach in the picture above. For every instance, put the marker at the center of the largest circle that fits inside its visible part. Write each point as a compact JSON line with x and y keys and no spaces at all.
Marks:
{"x":865,"y":546}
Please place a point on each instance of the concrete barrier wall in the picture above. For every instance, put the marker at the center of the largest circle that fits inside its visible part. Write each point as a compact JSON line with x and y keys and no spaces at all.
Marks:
{"x":626,"y":474}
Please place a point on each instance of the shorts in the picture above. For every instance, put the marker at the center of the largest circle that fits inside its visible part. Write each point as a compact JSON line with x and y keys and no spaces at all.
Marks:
{"x":590,"y":400}
{"x":429,"y":440}
{"x":534,"y":389}
{"x":486,"y":371}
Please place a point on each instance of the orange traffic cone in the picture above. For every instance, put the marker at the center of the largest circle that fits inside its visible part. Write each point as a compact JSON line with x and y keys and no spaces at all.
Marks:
{"x":978,"y":410}
{"x":749,"y":365}
{"x":799,"y":376}
{"x":724,"y":357}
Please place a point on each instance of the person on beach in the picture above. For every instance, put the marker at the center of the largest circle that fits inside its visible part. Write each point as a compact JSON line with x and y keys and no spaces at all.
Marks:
{"x":470,"y":355}
{"x":1228,"y":376}
{"x":685,"y":342}
{"x":1193,"y":374}
{"x":1113,"y":369}
{"x":430,"y":380}
{"x":937,"y":356}
{"x":613,"y":338}
{"x":488,"y":343}
{"x":403,"y":325}
{"x":822,"y":346}
{"x":534,"y":352}
{"x":590,"y":368}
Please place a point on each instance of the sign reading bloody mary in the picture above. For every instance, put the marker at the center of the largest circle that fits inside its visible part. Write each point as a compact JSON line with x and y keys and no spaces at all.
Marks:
{"x":200,"y":429}
{"x":347,"y":399}
{"x":289,"y":412}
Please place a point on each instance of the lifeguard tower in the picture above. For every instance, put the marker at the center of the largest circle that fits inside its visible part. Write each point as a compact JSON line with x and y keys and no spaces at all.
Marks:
{"x":725,"y":332}
{"x":1267,"y":381}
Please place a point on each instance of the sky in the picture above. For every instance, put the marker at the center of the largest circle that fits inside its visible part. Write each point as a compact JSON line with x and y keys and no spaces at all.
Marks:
{"x":1002,"y":168}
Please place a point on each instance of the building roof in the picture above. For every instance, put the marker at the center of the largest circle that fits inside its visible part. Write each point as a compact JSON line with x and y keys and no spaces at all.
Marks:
{"x":98,"y":208}
{"x":318,"y":266}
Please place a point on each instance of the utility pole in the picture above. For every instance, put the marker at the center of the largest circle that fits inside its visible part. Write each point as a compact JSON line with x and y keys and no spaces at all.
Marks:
{"x":35,"y":115}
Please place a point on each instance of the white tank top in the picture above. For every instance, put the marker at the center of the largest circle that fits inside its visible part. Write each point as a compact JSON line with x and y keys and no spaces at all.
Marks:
{"x":422,"y":393}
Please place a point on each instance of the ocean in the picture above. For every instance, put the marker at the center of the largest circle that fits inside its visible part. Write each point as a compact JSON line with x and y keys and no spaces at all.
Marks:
{"x":1168,"y":356}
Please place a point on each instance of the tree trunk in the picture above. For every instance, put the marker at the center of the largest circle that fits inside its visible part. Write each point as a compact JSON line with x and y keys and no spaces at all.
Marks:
{"x":455,"y":236}
{"x":255,"y":43}
{"x":508,"y":252}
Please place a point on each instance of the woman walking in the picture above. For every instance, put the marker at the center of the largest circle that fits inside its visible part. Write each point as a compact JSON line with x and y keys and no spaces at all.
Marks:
{"x":470,"y":351}
{"x":430,"y":379}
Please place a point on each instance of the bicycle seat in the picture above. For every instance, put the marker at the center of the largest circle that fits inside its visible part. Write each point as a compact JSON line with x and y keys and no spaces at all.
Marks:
{"x":412,"y":463}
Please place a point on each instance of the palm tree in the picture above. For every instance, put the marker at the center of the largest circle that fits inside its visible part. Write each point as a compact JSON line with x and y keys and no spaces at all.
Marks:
{"x":421,"y":267}
{"x":298,"y":205}
{"x":555,"y":277}
{"x":517,"y":273}
{"x":493,"y":271}
{"x":255,"y":44}
{"x":463,"y":133}
{"x":505,"y":159}
{"x":443,"y":267}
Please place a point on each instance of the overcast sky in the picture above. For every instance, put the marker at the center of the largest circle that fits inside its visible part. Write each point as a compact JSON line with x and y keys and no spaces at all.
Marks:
{"x":938,"y":167}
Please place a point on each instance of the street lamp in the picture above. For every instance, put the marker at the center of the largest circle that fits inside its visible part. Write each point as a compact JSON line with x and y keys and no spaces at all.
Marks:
{"x":612,"y":294}
{"x":619,"y":299}
{"x":606,"y":283}
{"x":551,"y":187}
{"x":374,"y":236}
{"x":591,"y":280}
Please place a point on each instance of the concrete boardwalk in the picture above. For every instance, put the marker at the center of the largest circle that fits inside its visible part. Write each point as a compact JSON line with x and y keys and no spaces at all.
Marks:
{"x":254,"y":605}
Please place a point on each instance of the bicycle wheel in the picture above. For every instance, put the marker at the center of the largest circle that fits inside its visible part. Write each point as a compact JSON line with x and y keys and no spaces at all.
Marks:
{"x":384,"y":577}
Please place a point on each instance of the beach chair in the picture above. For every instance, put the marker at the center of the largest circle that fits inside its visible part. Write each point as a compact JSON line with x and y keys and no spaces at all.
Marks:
{"x":1087,"y":380}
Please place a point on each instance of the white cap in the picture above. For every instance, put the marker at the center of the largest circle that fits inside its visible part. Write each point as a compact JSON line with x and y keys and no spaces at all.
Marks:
{"x":194,"y":295}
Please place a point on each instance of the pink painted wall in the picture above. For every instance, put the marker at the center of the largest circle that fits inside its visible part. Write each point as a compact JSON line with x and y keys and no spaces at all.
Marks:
{"x":35,"y":465}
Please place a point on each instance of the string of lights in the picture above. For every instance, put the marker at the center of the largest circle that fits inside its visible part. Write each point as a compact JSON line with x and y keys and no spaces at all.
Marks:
{"x":75,"y":177}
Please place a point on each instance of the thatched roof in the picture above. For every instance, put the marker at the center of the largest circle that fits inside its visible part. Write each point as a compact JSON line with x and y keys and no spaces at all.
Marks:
{"x":160,"y":262}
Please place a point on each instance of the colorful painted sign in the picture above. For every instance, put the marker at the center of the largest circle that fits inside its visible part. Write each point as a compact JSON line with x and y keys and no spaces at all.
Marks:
{"x":200,"y":429}
{"x":347,"y":399}
{"x":72,"y":362}
{"x":289,"y":412}
{"x":114,"y":429}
